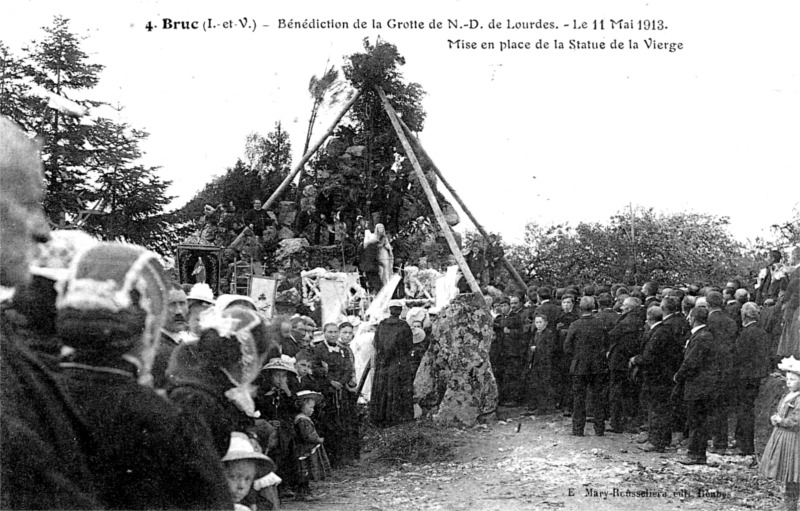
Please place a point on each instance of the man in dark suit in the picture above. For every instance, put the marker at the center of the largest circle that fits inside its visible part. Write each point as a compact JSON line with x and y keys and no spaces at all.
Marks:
{"x":567,"y":317}
{"x":551,"y":311}
{"x":733,"y":307}
{"x":698,"y":375}
{"x":650,"y":290}
{"x":586,"y":346}
{"x":656,"y":363}
{"x":767,"y":287}
{"x":257,"y":219}
{"x":723,"y":328}
{"x":751,"y":363}
{"x":290,"y":346}
{"x":676,"y":321}
{"x":547,"y":307}
{"x":624,"y":343}
{"x":515,"y":351}
{"x":605,"y":314}
{"x":172,"y":334}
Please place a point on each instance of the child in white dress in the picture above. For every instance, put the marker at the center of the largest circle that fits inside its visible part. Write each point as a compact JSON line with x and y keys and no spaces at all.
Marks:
{"x":781,"y":459}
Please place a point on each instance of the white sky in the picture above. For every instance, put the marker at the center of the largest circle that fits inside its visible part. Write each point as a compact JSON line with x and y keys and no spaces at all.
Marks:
{"x":712,"y":128}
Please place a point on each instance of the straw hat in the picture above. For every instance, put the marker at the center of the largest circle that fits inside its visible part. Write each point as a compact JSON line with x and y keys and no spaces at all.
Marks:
{"x":284,"y":363}
{"x":395,"y":303}
{"x":790,"y":364}
{"x":309,"y":394}
{"x":241,"y":448}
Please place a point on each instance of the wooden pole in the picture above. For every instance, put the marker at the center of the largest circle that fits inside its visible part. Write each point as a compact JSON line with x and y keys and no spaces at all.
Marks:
{"x":437,"y":211}
{"x":297,"y":168}
{"x":506,"y":262}
{"x":363,"y":378}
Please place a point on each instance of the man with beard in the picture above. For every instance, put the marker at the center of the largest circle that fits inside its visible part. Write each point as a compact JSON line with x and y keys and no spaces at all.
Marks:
{"x":172,"y":334}
{"x":302,"y":331}
{"x":43,"y":441}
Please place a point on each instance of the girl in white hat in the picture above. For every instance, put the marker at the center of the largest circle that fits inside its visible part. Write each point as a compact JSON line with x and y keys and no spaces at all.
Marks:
{"x":244,"y":465}
{"x":781,"y":459}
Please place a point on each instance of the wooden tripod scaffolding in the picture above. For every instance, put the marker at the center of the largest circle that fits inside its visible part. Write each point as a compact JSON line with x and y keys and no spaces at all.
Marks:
{"x":411,"y":146}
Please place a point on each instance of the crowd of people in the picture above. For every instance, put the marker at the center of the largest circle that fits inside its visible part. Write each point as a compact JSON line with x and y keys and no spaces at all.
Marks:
{"x":670,"y":364}
{"x":122,"y":390}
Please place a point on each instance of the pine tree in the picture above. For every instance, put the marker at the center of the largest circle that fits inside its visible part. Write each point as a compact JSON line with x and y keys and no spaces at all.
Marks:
{"x":58,"y":64}
{"x":15,"y":101}
{"x":130,"y":197}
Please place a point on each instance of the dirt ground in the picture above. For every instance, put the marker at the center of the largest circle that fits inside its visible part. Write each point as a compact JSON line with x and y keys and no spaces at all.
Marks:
{"x":520,"y":462}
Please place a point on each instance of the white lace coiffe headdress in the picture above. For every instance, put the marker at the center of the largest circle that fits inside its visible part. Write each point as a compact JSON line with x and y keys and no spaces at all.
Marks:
{"x":237,"y":324}
{"x":104,"y":278}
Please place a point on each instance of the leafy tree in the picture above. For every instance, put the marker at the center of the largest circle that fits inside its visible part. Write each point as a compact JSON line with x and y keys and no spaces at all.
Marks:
{"x":131,"y":197}
{"x":237,"y":185}
{"x":268,"y":162}
{"x":787,"y":234}
{"x":58,"y":64}
{"x":633,"y":248}
{"x":270,"y":157}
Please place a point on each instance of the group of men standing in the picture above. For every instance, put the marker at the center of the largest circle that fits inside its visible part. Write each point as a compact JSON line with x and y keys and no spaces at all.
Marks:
{"x":662,"y":362}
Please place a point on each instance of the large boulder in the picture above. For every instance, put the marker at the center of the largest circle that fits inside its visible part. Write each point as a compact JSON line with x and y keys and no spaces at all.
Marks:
{"x":454,"y":383}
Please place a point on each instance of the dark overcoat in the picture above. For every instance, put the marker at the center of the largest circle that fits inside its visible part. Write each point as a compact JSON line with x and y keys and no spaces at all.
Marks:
{"x":657,"y":358}
{"x":724,"y":330}
{"x":586,"y":346}
{"x":392,"y":395}
{"x":145,"y":453}
{"x":624,"y":340}
{"x":751,"y":353}
{"x":697,"y":372}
